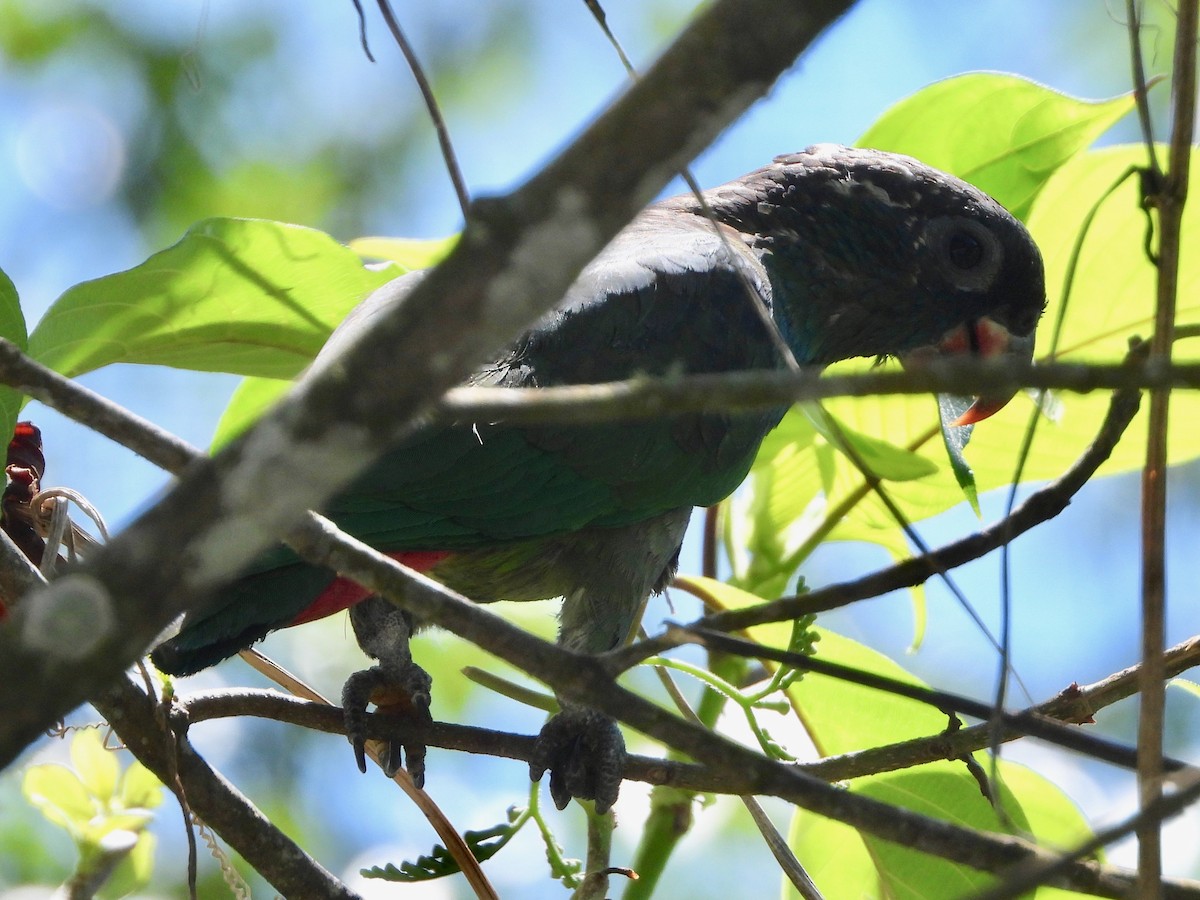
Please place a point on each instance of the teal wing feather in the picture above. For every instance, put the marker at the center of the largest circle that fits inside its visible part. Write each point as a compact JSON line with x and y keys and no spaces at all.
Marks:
{"x":665,"y":297}
{"x":660,"y":300}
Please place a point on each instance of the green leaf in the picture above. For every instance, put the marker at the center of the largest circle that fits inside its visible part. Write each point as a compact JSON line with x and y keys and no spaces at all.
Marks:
{"x":407,"y":252}
{"x":12,"y":327}
{"x":1187,"y":685}
{"x":943,"y":791}
{"x":842,"y":718}
{"x":251,"y":398}
{"x":255,"y":395}
{"x":1028,"y":132}
{"x":139,"y":788}
{"x":245,"y":296}
{"x":95,"y":765}
{"x":884,"y":460}
{"x":834,"y":856}
{"x":483,"y":844}
{"x":947,"y":791}
{"x":955,"y":439}
{"x":60,"y":796}
{"x":1112,"y":300}
{"x":776,"y":510}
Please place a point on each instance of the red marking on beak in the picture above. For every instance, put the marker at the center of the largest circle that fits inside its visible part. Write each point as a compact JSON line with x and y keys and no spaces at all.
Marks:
{"x":986,"y":339}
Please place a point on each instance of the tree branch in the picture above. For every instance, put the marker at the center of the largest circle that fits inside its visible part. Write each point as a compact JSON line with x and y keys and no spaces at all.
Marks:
{"x":590,"y":681}
{"x":1073,"y":705}
{"x":516,"y":257}
{"x":1169,"y":197}
{"x":1038,"y":507}
{"x":646,"y":398}
{"x":274,"y":855}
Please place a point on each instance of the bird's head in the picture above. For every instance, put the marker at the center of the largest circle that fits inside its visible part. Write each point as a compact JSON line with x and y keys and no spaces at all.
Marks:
{"x":875,"y":254}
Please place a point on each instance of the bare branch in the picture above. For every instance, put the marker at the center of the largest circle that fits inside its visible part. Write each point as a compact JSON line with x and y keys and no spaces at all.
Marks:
{"x":516,"y":257}
{"x":274,"y":855}
{"x":1169,"y":198}
{"x":431,"y":105}
{"x":590,"y":681}
{"x":645,"y":398}
{"x":1037,"y":507}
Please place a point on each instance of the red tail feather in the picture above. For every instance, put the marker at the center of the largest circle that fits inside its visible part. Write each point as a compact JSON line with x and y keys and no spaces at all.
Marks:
{"x":344,"y":593}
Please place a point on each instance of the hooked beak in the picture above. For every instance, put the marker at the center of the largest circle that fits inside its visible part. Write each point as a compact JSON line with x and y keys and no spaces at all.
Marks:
{"x":986,"y":339}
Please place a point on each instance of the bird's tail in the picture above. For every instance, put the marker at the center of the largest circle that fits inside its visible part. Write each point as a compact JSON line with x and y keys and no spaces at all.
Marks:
{"x":252,"y":607}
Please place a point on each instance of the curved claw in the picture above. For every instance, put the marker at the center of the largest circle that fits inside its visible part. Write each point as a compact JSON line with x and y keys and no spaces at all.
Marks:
{"x":405,"y":694}
{"x":585,"y":754}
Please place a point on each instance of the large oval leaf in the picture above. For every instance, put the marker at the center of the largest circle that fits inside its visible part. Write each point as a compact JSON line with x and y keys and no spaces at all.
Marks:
{"x":245,"y":296}
{"x":840,"y":717}
{"x":1113,"y":301}
{"x":1004,"y":134}
{"x":250,"y":400}
{"x":867,"y":866}
{"x":12,"y":327}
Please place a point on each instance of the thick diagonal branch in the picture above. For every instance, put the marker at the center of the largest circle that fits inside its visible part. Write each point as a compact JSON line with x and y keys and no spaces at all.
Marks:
{"x":516,"y":257}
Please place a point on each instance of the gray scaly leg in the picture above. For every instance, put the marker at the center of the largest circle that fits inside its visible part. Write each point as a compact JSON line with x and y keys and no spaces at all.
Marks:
{"x":396,"y":685}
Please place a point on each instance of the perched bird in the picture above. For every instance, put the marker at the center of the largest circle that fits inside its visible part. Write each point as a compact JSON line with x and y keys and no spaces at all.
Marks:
{"x":849,"y":252}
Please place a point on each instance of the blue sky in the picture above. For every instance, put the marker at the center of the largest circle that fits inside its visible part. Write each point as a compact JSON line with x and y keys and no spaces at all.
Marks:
{"x":64,"y":149}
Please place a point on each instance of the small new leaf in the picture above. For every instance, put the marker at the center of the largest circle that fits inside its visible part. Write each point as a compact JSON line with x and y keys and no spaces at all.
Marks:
{"x":956,"y":438}
{"x":483,"y":846}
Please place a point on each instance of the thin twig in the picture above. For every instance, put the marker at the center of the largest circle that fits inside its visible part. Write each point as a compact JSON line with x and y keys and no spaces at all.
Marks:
{"x":1073,"y":705}
{"x":1141,"y":92}
{"x":652,"y":397}
{"x":362,"y":29}
{"x":1169,"y":202}
{"x":431,"y":106}
{"x":1038,"y":507}
{"x":377,"y":750}
{"x":1027,"y":723}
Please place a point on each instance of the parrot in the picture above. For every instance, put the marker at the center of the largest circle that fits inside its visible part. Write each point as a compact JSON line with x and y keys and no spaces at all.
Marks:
{"x":826,"y":254}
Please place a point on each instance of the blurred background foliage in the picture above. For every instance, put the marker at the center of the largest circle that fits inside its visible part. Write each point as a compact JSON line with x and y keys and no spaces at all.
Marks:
{"x":122,"y":122}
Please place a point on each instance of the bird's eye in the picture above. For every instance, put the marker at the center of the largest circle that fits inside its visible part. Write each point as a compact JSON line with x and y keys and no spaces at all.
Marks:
{"x":964,"y":249}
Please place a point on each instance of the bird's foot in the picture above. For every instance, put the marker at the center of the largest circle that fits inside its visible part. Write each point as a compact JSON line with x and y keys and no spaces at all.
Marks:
{"x":403,"y":692}
{"x":585,"y":753}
